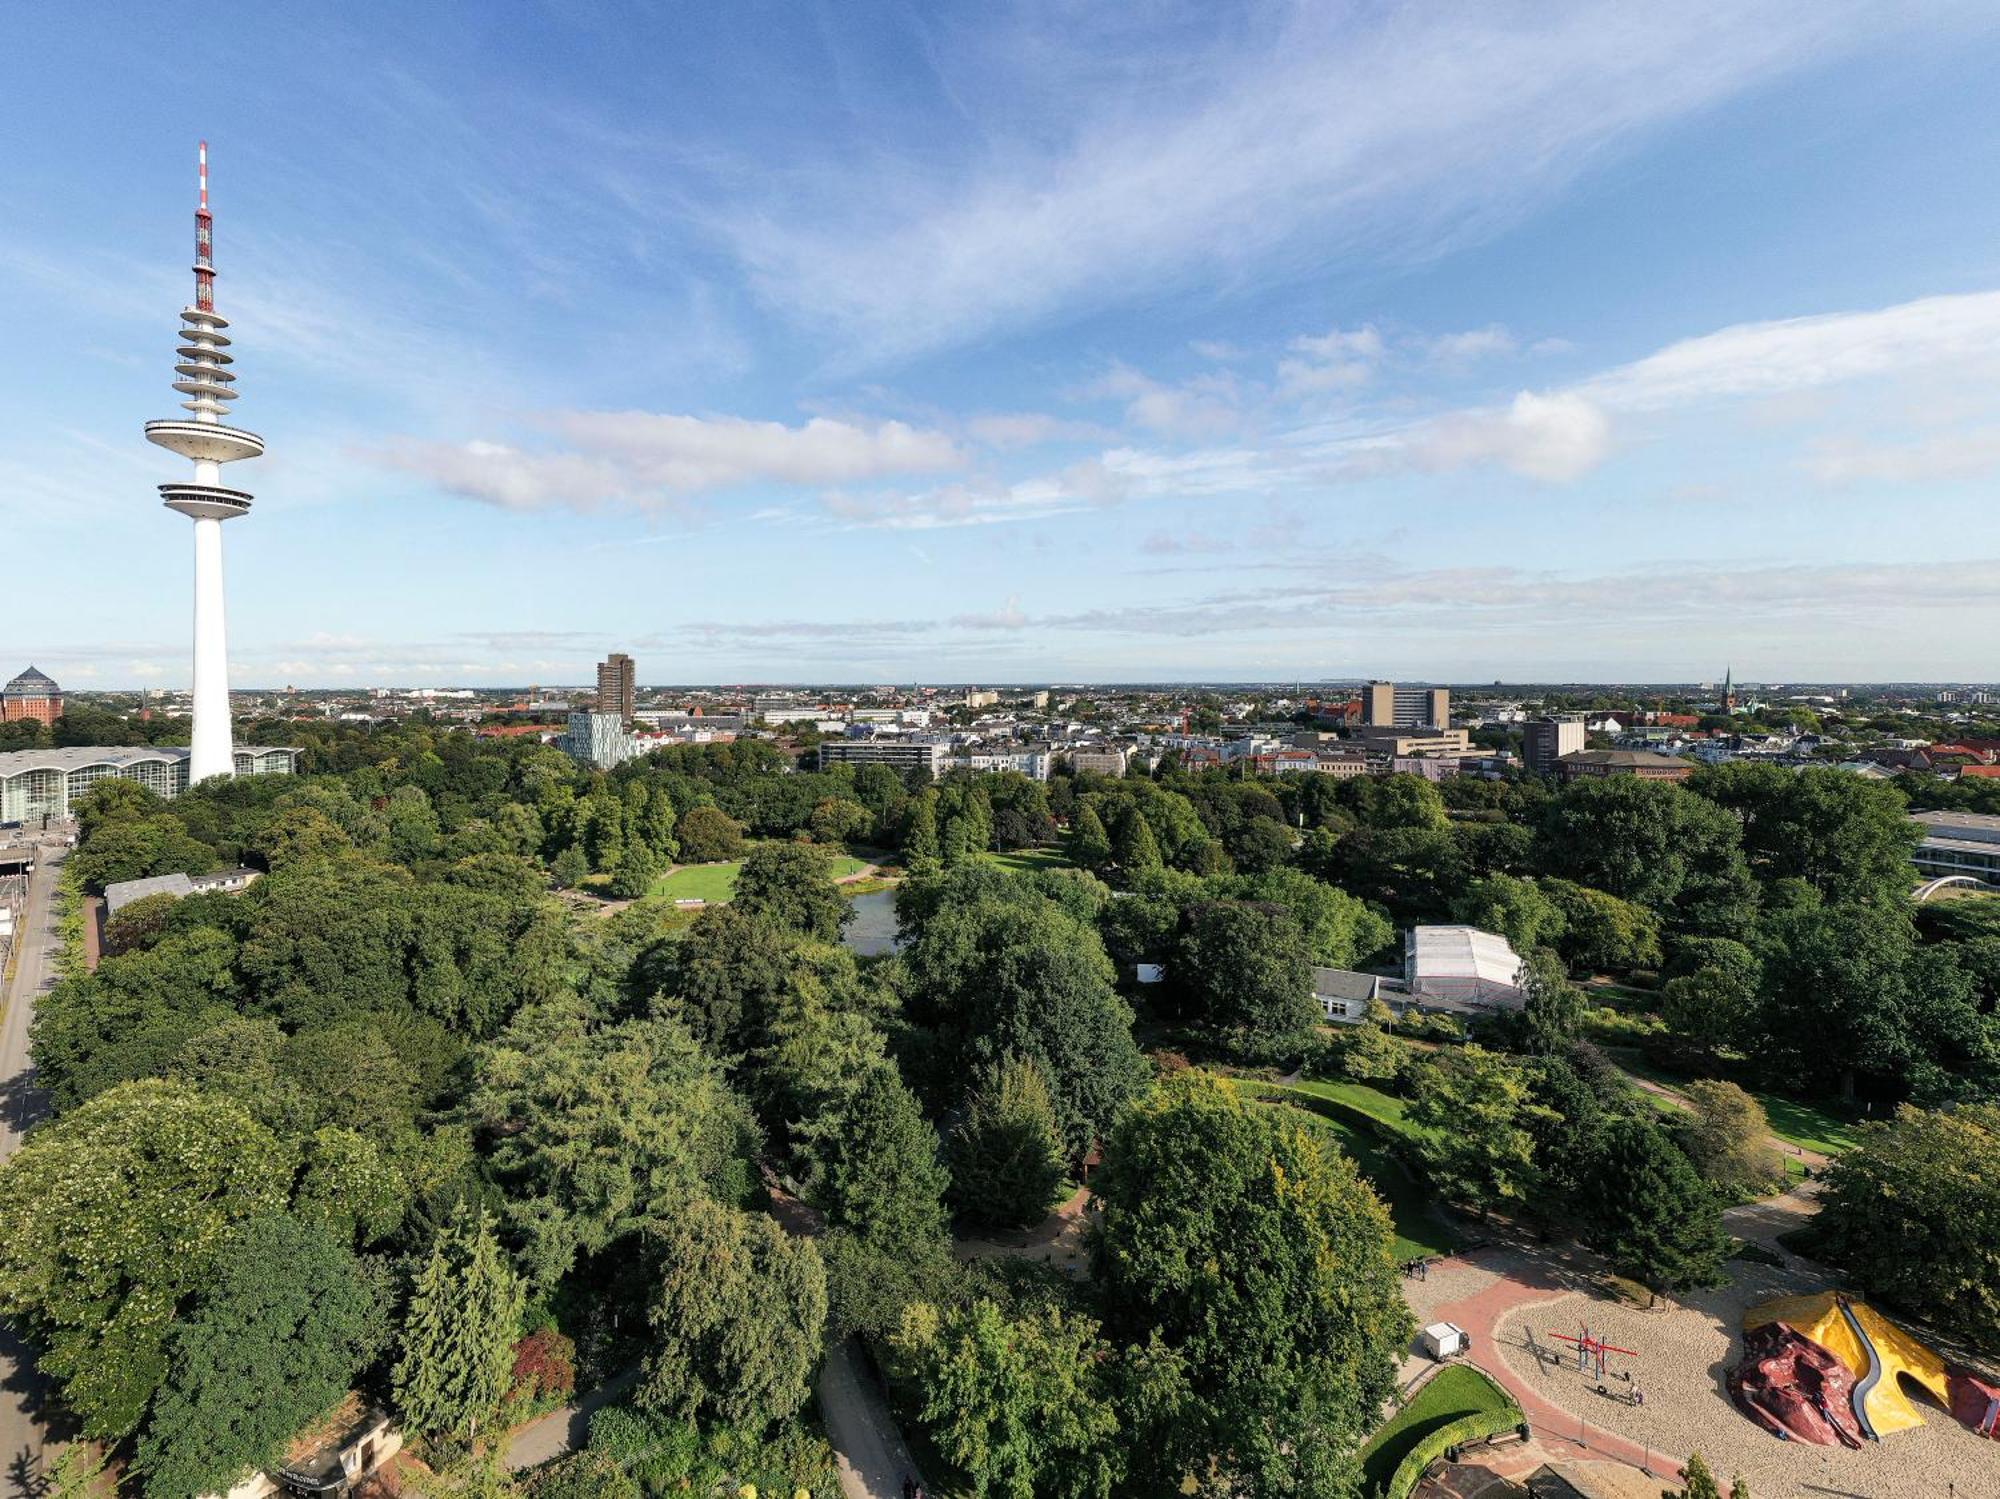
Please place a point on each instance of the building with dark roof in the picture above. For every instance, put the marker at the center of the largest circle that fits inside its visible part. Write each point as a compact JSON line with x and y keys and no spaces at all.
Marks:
{"x":31,"y":695}
{"x":1642,"y":764}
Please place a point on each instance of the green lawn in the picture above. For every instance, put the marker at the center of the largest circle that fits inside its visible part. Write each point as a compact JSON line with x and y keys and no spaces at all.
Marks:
{"x":717,"y":882}
{"x":1828,"y":1130}
{"x":1808,"y":1125}
{"x":1022,"y":860}
{"x":711,"y":882}
{"x":1458,"y":1390}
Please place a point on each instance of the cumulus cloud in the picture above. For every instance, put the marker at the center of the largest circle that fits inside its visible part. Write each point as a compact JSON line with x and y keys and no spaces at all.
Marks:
{"x":645,"y":458}
{"x":1553,"y":437}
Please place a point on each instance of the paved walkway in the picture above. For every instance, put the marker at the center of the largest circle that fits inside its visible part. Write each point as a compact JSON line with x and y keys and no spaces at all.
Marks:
{"x":565,"y":1430}
{"x":868,"y":1449}
{"x":23,"y":1438}
{"x":1524,"y":1278}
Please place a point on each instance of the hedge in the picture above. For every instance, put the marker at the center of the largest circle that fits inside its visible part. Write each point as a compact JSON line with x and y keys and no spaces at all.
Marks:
{"x":1476,"y":1427}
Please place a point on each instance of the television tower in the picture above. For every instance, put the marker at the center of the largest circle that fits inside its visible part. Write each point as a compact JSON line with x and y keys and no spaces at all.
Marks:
{"x":209,"y":442}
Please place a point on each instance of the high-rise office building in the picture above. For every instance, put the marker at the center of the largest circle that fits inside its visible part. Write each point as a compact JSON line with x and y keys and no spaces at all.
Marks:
{"x":1546,"y":740}
{"x":1385,"y":705}
{"x":617,"y":686}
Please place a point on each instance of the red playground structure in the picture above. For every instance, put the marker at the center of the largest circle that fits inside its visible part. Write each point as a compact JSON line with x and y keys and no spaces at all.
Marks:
{"x":1590,"y":1352}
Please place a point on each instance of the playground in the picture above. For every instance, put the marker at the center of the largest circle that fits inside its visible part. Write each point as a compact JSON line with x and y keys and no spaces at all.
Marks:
{"x":1670,"y":1393}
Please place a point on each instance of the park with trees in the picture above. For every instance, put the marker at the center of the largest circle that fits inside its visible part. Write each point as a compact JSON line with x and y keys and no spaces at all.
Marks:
{"x":410,"y":1116}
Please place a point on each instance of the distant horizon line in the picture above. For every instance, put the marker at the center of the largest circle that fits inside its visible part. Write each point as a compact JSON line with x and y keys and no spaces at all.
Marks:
{"x":1051,"y":685}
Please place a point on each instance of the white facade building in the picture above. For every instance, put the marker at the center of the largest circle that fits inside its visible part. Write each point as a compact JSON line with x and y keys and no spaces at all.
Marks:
{"x":599,"y":739}
{"x":47,"y":783}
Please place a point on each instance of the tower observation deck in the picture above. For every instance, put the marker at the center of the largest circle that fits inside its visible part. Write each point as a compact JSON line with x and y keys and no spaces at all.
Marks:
{"x":208,"y":441}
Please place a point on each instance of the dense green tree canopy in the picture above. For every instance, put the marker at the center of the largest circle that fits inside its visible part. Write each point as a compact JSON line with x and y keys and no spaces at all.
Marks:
{"x":1263,"y":1262}
{"x":737,"y":1317}
{"x":791,"y":885}
{"x":1024,"y":1406}
{"x":599,"y":1130}
{"x":1241,"y":970}
{"x":274,"y":1342}
{"x":1651,"y":1213}
{"x":1010,"y":972}
{"x":1651,"y":842}
{"x":111,"y":1218}
{"x":1847,"y":837}
{"x":1478,"y":1115}
{"x":1913,"y":1214}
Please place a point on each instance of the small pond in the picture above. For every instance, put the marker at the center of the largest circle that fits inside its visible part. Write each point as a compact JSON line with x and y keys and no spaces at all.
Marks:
{"x":872,"y":932}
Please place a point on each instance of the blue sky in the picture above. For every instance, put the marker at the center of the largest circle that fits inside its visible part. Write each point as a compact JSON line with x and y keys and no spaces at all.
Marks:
{"x":859,"y":342}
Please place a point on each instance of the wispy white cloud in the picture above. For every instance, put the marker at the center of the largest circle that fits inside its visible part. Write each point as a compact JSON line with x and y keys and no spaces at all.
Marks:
{"x":1803,"y":353}
{"x":645,"y":459}
{"x":1941,"y":456}
{"x":1399,"y":131}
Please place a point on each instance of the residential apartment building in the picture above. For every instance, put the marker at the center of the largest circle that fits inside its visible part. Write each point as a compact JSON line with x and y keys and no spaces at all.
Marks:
{"x":1387,"y":706}
{"x":1547,"y":740}
{"x":1032,"y":762}
{"x":1303,"y":761}
{"x":898,"y":754}
{"x":618,"y":686}
{"x":1104,"y":760}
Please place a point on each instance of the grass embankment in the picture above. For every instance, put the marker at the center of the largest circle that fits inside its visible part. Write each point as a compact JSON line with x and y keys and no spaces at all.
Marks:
{"x":1022,"y":860}
{"x":1457,"y":1392}
{"x":1363,"y":1121}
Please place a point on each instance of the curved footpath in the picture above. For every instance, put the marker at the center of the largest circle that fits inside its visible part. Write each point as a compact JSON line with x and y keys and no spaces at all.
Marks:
{"x":1512,"y":1280}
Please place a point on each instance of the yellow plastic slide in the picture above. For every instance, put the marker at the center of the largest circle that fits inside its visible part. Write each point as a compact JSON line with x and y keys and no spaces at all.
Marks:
{"x":1884,"y":1404}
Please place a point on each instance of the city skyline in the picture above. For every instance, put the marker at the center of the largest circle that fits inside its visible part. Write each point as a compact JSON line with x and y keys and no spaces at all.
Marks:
{"x":1456,"y":346}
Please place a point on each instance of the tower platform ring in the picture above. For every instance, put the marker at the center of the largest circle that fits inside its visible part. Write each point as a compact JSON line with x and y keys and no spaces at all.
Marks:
{"x":209,"y":442}
{"x":205,"y":501}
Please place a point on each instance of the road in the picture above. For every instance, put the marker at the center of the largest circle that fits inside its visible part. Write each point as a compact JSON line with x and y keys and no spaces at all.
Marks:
{"x":21,"y":1387}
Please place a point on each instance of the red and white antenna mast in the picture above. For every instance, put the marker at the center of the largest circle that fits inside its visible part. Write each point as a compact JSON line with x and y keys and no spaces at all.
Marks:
{"x":204,"y":239}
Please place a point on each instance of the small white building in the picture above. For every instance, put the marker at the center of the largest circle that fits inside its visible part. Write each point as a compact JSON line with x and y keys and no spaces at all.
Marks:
{"x":1344,"y":996}
{"x":1461,"y":969}
{"x":1443,"y":1340}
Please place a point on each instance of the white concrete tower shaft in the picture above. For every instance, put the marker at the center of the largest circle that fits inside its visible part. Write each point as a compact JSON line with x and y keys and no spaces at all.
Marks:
{"x":208,"y":442}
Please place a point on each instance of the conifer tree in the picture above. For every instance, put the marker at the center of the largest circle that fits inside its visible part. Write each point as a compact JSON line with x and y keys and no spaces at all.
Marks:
{"x":920,"y":836}
{"x":1089,"y":844}
{"x":458,"y":1335}
{"x":1136,"y":849}
{"x":1006,"y":1156}
{"x":1700,"y":1482}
